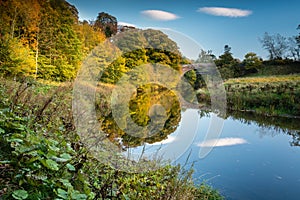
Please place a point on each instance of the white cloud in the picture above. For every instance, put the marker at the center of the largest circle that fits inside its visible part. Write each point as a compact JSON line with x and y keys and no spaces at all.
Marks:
{"x":126,"y":24}
{"x":225,"y":12}
{"x":159,"y":15}
{"x":222,"y":142}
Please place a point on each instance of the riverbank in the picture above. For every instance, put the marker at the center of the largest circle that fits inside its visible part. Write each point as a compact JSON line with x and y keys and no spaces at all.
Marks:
{"x":269,"y":95}
{"x":264,"y":95}
{"x":41,"y":156}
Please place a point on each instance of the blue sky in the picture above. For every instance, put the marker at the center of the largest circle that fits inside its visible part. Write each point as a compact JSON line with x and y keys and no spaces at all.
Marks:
{"x":211,"y":23}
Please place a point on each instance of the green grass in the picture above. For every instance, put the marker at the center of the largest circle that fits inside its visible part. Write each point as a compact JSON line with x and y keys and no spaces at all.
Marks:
{"x":270,"y":95}
{"x":266,"y":95}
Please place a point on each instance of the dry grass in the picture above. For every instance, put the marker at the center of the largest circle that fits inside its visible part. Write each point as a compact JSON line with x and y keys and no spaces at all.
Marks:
{"x":265,"y":79}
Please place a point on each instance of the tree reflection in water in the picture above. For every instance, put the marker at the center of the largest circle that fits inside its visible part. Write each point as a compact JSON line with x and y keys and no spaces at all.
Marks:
{"x":151,"y":103}
{"x":271,"y":125}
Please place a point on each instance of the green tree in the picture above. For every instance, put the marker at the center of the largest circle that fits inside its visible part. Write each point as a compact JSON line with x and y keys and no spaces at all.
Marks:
{"x":60,"y":47}
{"x":139,"y":47}
{"x":107,"y":23}
{"x":89,"y":36}
{"x":228,"y":66}
{"x":17,"y":60}
{"x":251,"y":61}
{"x":114,"y":71}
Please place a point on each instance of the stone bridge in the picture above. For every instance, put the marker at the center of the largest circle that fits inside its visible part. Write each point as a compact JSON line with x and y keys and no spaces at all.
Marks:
{"x":202,"y":68}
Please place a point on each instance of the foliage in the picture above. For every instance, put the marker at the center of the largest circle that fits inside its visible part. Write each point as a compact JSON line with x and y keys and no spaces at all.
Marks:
{"x":16,"y":59}
{"x":107,"y":23}
{"x":269,"y":95}
{"x":277,"y":67}
{"x":44,"y":38}
{"x":139,"y":47}
{"x":228,"y":66}
{"x":89,"y":36}
{"x":252,"y":61}
{"x":41,"y":156}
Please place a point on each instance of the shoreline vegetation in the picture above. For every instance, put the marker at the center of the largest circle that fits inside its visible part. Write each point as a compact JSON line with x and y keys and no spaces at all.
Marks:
{"x":262,"y":95}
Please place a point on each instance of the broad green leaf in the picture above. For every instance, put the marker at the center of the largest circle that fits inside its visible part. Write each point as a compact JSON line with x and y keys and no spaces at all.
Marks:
{"x":126,"y":197}
{"x":66,"y":156}
{"x":54,"y":148}
{"x":62,"y":193}
{"x":70,"y":167}
{"x":15,"y":140}
{"x":77,"y":196}
{"x":50,"y":164}
{"x":2,"y":131}
{"x":66,"y":183}
{"x":20,"y":194}
{"x":5,"y":162}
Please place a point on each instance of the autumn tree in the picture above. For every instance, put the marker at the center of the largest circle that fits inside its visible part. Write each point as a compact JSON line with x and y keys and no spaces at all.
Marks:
{"x":139,"y":47}
{"x":60,"y":47}
{"x":16,"y":59}
{"x":89,"y":36}
{"x":46,"y":31}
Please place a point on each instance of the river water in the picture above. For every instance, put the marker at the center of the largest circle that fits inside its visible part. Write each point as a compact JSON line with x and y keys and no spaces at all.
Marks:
{"x":253,"y":157}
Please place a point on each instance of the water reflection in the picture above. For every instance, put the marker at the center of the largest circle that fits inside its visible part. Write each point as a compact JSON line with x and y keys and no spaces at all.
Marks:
{"x":271,"y":126}
{"x":222,"y":142}
{"x":151,"y":103}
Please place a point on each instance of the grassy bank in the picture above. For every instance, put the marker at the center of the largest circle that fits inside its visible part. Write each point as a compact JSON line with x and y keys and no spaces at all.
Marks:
{"x":41,"y":156}
{"x":265,"y":95}
{"x":270,"y":95}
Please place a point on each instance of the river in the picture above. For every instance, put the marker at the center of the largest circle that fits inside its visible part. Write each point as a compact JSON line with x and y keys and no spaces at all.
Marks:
{"x":254,"y":157}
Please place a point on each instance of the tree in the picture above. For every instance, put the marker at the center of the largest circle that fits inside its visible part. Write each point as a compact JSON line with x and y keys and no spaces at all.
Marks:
{"x":89,"y":36}
{"x":60,"y":47}
{"x":276,"y":45}
{"x":46,"y":31}
{"x":140,"y":47}
{"x":226,"y":59}
{"x":107,"y":23}
{"x":251,"y":61}
{"x":228,"y":66}
{"x":227,"y":49}
{"x":205,"y":57}
{"x":17,"y":59}
{"x":294,"y":46}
